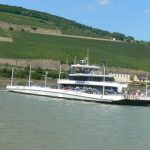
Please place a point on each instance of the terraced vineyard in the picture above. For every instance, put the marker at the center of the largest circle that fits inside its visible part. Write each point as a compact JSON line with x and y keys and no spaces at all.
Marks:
{"x":121,"y":54}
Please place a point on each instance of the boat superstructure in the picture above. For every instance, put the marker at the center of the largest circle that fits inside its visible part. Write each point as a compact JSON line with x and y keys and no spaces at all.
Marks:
{"x":90,"y":78}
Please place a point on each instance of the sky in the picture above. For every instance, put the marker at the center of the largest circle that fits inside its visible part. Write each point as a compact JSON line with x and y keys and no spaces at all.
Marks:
{"x":130,"y":17}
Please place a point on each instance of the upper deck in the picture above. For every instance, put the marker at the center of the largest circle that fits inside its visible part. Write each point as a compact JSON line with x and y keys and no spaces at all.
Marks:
{"x":83,"y":67}
{"x":85,"y":72}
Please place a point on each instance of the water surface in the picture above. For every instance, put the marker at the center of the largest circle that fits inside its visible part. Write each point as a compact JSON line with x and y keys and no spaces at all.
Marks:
{"x":41,"y":123}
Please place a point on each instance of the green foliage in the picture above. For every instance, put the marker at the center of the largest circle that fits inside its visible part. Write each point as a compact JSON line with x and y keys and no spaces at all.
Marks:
{"x":53,"y":73}
{"x":3,"y":32}
{"x":37,"y":74}
{"x":24,"y":12}
{"x":5,"y":72}
{"x":64,"y":74}
{"x":118,"y":36}
{"x":129,"y":38}
{"x":26,"y":70}
{"x":20,"y":73}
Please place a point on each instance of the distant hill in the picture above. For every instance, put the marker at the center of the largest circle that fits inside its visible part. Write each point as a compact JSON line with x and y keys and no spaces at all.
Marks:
{"x":34,"y":18}
{"x":26,"y":44}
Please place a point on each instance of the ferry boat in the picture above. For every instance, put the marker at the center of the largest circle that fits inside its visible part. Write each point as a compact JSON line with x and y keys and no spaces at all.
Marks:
{"x":85,"y":83}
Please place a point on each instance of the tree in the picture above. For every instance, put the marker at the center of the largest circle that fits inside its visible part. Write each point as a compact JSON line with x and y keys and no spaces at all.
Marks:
{"x":118,"y":36}
{"x":129,"y":38}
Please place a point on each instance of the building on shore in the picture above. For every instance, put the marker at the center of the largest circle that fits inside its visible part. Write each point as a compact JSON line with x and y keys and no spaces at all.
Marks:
{"x":124,"y":78}
{"x":140,"y":78}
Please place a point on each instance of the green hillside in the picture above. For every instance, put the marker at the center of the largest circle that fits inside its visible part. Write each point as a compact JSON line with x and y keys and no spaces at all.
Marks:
{"x":22,"y":16}
{"x":29,"y":45}
{"x":4,"y":33}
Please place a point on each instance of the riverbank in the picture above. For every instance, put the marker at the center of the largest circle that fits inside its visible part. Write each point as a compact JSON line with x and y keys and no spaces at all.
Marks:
{"x":4,"y":82}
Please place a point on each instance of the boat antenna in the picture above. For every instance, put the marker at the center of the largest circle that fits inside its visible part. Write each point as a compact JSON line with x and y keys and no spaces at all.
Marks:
{"x":30,"y":77}
{"x":146,"y":85}
{"x":12,"y":76}
{"x":46,"y":73}
{"x":103,"y":77}
{"x":59,"y":77}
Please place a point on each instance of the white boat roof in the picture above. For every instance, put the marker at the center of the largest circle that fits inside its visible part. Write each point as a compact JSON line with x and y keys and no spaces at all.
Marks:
{"x":85,"y":66}
{"x":91,"y":74}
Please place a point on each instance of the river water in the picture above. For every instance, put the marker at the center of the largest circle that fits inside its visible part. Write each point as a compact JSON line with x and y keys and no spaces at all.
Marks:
{"x":41,"y":123}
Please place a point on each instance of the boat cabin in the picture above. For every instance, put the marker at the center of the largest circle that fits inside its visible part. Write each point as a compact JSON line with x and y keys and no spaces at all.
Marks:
{"x":85,"y":77}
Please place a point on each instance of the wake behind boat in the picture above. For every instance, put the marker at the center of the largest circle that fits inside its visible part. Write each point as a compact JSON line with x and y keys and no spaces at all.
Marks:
{"x":85,"y":83}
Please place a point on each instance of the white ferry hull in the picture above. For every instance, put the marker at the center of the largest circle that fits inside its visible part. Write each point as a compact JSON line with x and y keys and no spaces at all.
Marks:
{"x":76,"y":95}
{"x":59,"y":93}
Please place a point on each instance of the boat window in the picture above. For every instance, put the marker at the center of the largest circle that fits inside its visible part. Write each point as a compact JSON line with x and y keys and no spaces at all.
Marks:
{"x":79,"y":78}
{"x":90,"y":89}
{"x":82,"y":70}
{"x":88,"y":78}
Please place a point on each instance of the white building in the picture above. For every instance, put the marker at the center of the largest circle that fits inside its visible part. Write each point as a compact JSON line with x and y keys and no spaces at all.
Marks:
{"x":125,"y":78}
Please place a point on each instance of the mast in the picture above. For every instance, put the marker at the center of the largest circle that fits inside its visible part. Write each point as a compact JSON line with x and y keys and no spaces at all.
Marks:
{"x":103,"y":78}
{"x":30,"y":77}
{"x":146,"y":85}
{"x":59,"y":77}
{"x":12,"y":76}
{"x":46,"y":78}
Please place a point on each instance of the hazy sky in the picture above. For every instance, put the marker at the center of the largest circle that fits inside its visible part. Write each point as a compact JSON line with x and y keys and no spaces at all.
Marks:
{"x":131,"y":17}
